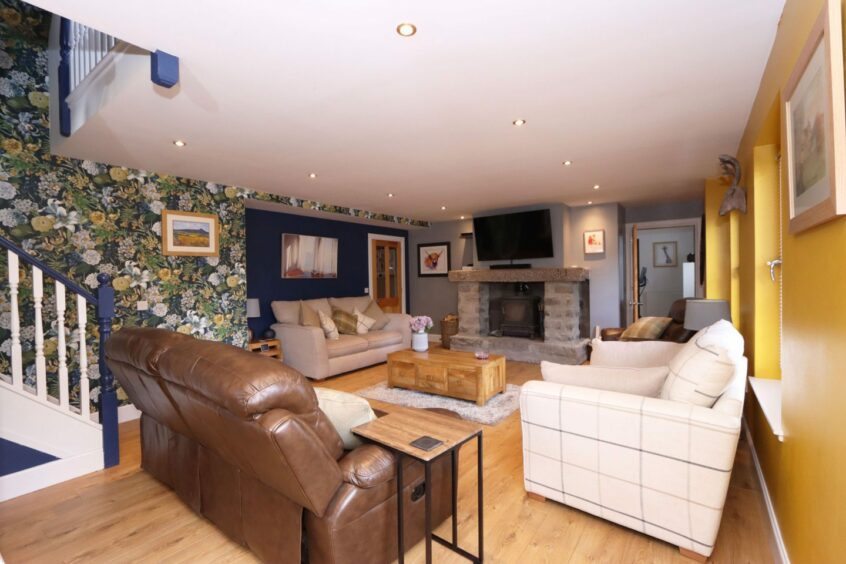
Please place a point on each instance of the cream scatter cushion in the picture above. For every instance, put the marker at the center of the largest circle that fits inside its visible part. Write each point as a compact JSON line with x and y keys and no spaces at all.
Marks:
{"x":330,"y":331}
{"x":364,"y":322}
{"x":646,"y":328}
{"x":702,"y":370}
{"x":345,"y":411}
{"x":286,"y":312}
{"x":308,"y":317}
{"x":638,"y":381}
{"x":374,"y":311}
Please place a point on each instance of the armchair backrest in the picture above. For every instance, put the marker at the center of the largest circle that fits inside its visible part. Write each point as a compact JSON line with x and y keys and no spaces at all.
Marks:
{"x":254,"y":412}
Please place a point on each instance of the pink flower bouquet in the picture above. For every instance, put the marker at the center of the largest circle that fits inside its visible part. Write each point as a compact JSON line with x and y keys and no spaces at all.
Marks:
{"x":421,"y":324}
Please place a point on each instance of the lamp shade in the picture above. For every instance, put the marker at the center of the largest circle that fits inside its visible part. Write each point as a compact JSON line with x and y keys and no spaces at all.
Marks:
{"x":253,"y":308}
{"x":702,"y":313}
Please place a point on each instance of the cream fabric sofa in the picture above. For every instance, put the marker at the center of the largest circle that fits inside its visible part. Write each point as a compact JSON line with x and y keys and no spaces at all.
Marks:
{"x":307,"y":349}
{"x":657,"y":466}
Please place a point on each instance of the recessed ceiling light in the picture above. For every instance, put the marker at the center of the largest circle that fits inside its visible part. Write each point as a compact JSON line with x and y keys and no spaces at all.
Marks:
{"x":443,"y":208}
{"x":312,"y":175}
{"x":519,"y":122}
{"x":390,"y":194}
{"x":596,"y":186}
{"x":568,"y":163}
{"x":590,"y":203}
{"x":462,"y":217}
{"x":406,"y":29}
{"x":179,"y":143}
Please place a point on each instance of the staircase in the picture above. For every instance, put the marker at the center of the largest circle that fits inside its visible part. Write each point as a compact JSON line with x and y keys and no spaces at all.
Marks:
{"x":48,"y":421}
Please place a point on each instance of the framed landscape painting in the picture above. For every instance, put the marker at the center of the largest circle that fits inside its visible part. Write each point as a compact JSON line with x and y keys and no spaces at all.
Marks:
{"x":189,"y":234}
{"x":433,"y":259}
{"x":308,"y":256}
{"x":814,"y":126}
{"x":594,"y":242}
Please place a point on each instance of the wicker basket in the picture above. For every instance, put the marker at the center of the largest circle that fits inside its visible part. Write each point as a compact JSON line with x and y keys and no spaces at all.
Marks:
{"x":449,"y":327}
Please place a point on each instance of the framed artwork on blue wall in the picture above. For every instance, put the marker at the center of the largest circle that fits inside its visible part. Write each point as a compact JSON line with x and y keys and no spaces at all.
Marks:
{"x":307,"y":256}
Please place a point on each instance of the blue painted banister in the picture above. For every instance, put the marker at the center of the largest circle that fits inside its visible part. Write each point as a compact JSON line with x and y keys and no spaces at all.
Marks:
{"x":104,"y":302}
{"x":108,"y":396}
{"x":64,"y":77}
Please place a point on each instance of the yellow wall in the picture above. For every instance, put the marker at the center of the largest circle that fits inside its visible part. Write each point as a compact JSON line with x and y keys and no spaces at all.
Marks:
{"x":806,"y":474}
{"x":717,"y":243}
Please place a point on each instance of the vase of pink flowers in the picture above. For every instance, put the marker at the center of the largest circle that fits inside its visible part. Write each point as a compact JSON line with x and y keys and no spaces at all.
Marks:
{"x":420,"y":327}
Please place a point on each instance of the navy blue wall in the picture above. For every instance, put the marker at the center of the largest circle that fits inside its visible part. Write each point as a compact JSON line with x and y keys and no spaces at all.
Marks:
{"x":264,"y":260}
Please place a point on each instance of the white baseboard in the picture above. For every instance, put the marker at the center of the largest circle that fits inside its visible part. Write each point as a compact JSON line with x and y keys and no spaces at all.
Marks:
{"x":768,"y":501}
{"x":128,"y":412}
{"x":45,"y":475}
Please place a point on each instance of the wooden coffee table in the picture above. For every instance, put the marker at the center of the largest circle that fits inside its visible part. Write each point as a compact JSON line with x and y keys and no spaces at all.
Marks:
{"x":450,"y":373}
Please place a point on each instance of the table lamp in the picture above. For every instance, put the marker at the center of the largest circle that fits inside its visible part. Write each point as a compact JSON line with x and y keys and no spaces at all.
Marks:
{"x":253,"y":311}
{"x":702,"y":313}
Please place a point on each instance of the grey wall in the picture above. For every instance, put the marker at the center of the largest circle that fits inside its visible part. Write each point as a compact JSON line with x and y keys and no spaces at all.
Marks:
{"x":669,"y":210}
{"x":606,"y":283}
{"x":438,"y":296}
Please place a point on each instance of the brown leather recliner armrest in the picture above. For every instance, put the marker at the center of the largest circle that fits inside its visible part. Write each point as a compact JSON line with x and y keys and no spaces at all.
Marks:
{"x":611,"y":334}
{"x":368,"y":466}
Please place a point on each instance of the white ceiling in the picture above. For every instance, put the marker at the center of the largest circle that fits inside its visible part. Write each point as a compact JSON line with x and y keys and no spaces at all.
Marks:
{"x":641,"y":95}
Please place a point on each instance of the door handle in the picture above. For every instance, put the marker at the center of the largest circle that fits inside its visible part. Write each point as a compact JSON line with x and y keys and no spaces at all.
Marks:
{"x":773,"y":264}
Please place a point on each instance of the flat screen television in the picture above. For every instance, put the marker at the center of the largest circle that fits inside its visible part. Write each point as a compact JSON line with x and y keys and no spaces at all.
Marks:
{"x":513,"y":236}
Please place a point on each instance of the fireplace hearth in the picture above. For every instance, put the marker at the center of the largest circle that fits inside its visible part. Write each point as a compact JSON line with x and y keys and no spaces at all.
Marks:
{"x":527,"y":315}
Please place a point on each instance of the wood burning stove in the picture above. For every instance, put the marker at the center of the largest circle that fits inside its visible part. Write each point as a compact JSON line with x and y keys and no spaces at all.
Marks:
{"x":516,"y":316}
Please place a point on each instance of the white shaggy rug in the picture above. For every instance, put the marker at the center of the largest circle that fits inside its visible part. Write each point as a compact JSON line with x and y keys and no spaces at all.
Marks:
{"x":498,"y":407}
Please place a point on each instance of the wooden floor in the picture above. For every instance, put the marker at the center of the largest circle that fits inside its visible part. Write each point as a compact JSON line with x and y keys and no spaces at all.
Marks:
{"x":124,"y":515}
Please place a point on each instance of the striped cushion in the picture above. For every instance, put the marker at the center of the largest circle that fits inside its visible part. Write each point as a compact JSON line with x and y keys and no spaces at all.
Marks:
{"x":346,"y":322}
{"x":699,"y":373}
{"x":646,"y":328}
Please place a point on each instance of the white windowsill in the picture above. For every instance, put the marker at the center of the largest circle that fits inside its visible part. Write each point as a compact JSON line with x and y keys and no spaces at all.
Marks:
{"x":768,"y":392}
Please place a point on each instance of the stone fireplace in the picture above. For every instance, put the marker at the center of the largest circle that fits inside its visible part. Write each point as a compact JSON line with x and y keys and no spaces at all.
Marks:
{"x":525,"y":314}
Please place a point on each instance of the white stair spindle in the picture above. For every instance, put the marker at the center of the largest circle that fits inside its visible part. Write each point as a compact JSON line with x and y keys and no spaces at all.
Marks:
{"x":14,"y":279}
{"x":62,"y":349}
{"x":40,"y":362}
{"x":82,"y":321}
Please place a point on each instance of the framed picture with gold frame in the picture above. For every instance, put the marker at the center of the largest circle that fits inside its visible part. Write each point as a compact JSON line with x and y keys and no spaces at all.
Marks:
{"x":814,"y":125}
{"x":190,"y":234}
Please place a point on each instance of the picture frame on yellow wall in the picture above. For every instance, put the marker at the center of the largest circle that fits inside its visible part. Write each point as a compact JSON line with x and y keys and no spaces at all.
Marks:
{"x":190,"y":234}
{"x":814,"y":125}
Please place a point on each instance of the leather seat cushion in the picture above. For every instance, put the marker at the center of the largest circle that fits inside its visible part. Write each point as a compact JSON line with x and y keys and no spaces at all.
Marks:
{"x":376,"y":339}
{"x":345,"y":345}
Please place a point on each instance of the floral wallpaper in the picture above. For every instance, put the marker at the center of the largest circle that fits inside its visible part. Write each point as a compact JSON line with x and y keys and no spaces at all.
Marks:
{"x":84,"y":218}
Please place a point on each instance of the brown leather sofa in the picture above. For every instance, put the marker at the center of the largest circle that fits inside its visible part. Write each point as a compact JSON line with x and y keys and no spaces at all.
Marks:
{"x":241,"y":440}
{"x":675,"y":331}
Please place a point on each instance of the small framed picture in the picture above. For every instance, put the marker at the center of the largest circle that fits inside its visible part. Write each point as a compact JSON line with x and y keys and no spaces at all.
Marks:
{"x":665,"y":254}
{"x":595,"y":242}
{"x":189,"y":234}
{"x":433,"y":259}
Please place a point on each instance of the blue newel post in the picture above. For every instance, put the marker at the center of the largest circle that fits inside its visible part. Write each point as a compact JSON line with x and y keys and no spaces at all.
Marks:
{"x":108,"y":397}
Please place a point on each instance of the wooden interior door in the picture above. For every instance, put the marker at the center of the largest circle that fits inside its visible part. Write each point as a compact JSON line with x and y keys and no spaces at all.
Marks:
{"x":635,"y":262}
{"x":387,"y":269}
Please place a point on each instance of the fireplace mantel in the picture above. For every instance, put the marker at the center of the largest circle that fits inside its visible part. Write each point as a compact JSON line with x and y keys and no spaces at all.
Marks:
{"x":520,"y":275}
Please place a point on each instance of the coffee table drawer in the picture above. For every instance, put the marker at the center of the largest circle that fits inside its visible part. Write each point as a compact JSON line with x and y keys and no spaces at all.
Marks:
{"x":403,"y":374}
{"x":463,"y":383}
{"x":432,"y":377}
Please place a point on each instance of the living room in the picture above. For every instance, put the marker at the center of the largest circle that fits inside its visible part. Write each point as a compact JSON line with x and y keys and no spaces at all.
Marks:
{"x":421,"y":288}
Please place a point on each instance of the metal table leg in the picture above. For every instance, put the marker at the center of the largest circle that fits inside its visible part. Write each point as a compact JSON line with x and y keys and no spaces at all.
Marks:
{"x":428,"y":502}
{"x":454,"y":454}
{"x":400,"y":513}
{"x":480,"y":500}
